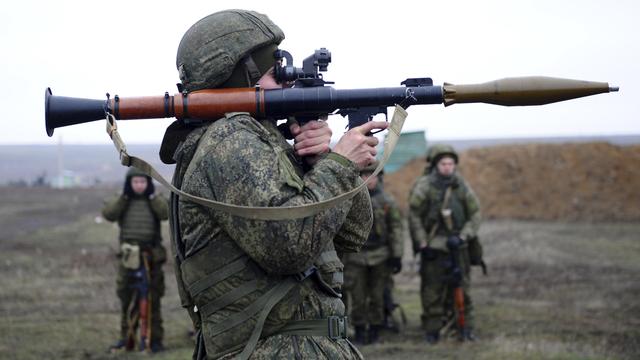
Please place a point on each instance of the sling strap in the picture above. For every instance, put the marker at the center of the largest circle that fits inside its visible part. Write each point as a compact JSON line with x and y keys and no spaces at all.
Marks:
{"x":217,"y":276}
{"x":228,"y":298}
{"x":262,"y":213}
{"x":445,"y":204}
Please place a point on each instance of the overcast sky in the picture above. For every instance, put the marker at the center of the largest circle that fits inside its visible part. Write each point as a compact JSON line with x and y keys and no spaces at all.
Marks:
{"x":87,"y":48}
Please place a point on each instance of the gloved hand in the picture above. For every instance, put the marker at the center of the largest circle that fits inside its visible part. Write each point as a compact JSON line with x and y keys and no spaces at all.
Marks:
{"x":454,"y":242}
{"x":395,"y":263}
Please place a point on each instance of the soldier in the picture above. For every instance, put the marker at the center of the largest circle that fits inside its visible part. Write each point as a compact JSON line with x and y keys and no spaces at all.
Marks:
{"x":139,"y":212}
{"x":369,"y":270}
{"x":254,"y":288}
{"x":444,"y":214}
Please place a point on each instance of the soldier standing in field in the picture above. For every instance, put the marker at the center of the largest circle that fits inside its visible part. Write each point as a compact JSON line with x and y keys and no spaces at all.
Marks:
{"x":444,"y":218}
{"x":369,"y":270}
{"x":254,"y":288}
{"x":139,"y":212}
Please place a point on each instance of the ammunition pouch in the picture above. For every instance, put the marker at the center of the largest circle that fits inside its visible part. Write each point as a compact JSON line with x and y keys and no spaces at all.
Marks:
{"x":130,"y":256}
{"x":475,"y":251}
{"x":330,"y":275}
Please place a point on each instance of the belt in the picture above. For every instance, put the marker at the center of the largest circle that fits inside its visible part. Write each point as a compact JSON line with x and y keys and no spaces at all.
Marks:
{"x":333,"y":327}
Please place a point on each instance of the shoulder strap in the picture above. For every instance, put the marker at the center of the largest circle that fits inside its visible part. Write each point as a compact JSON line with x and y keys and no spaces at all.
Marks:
{"x":261,"y":213}
{"x":445,"y":204}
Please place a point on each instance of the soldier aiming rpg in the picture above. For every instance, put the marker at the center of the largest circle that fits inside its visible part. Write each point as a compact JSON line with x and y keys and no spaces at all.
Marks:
{"x":261,"y":283}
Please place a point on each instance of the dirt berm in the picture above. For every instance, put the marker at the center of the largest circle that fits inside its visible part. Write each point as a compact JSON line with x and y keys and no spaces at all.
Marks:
{"x":575,"y":182}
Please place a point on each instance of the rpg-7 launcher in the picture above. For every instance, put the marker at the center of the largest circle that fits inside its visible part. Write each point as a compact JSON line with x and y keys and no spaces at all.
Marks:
{"x":310,"y":98}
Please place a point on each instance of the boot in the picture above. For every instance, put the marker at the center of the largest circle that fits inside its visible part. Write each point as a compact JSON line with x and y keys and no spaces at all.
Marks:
{"x":119,"y":345}
{"x":373,"y":333}
{"x":432,"y":338}
{"x":360,"y":336}
{"x":467,"y":335}
{"x":156,"y":346}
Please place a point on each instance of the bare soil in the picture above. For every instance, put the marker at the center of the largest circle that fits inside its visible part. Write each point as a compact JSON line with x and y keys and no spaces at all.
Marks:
{"x":569,"y":182}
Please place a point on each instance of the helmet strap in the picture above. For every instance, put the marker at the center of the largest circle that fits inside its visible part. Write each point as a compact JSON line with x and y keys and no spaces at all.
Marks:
{"x":252,"y":72}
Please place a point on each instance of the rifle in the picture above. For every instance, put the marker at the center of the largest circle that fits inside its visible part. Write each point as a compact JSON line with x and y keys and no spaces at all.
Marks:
{"x":142,"y":276}
{"x":310,"y":98}
{"x":453,"y":244}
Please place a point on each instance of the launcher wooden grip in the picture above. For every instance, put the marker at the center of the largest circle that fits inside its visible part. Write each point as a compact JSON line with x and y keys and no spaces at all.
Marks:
{"x":203,"y":104}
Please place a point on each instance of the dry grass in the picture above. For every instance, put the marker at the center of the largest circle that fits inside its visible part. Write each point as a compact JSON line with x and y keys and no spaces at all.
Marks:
{"x":555,"y":290}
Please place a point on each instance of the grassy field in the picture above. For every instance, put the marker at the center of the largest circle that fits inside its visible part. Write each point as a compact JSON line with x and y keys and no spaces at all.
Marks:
{"x":554,"y":290}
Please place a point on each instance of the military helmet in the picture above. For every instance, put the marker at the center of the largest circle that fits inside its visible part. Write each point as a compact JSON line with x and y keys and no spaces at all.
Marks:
{"x":226,"y":43}
{"x":134,"y":171}
{"x":436,"y":152}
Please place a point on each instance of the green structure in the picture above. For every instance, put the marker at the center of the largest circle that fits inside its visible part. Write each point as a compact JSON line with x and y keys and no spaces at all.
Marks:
{"x":411,"y":145}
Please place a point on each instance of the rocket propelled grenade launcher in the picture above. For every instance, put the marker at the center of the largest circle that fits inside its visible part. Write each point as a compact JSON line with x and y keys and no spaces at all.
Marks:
{"x":310,"y":98}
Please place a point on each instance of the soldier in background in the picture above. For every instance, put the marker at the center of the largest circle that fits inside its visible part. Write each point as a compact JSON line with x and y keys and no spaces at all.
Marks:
{"x":368,"y":271}
{"x":443,"y":211}
{"x":139,"y":212}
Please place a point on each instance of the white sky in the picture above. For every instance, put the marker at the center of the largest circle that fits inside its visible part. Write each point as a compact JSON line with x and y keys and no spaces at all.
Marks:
{"x":87,"y":48}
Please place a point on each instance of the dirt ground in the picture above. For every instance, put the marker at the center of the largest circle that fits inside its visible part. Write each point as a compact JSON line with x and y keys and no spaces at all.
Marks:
{"x":575,"y":182}
{"x":555,"y":290}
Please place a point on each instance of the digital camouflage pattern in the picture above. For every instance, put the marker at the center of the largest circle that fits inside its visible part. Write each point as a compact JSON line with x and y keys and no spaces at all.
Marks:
{"x":139,"y":220}
{"x":243,"y":161}
{"x":425,"y":204}
{"x":367,"y":272}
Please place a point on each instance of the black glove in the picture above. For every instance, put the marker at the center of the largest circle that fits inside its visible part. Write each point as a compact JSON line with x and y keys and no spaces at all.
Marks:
{"x":454,"y":242}
{"x":395,"y":263}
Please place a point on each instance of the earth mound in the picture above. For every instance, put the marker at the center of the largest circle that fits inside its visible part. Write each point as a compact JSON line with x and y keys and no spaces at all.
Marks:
{"x":572,"y":182}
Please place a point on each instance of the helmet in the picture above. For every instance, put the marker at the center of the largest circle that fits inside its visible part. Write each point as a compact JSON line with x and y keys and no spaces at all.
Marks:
{"x":133,"y":171}
{"x":436,"y":152}
{"x":237,"y":42}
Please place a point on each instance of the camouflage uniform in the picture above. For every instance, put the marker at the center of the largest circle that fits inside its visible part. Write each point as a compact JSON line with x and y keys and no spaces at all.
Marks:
{"x":368,"y":272}
{"x":427,"y":227}
{"x":139,"y":217}
{"x":253,"y":288}
{"x":240,"y":160}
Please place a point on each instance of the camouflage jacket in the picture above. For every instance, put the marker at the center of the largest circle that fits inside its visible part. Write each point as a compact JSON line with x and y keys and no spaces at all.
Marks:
{"x":387,"y":234}
{"x":242,"y":161}
{"x":425,"y":203}
{"x":138,"y":217}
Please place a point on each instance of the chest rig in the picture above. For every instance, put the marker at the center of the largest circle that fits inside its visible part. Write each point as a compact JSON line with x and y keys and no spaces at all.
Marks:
{"x":231,"y":300}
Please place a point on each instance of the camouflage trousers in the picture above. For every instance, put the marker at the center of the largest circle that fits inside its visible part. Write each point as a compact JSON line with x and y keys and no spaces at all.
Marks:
{"x":366,"y":292}
{"x":125,"y":288}
{"x":437,"y":292}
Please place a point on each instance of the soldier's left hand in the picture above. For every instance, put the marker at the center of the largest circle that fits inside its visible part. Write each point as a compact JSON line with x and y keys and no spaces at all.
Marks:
{"x":311,"y":140}
{"x":454,"y":242}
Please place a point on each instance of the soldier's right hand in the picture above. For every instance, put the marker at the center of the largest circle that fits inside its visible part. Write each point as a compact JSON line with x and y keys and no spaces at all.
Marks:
{"x":357,"y":147}
{"x":395,"y":263}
